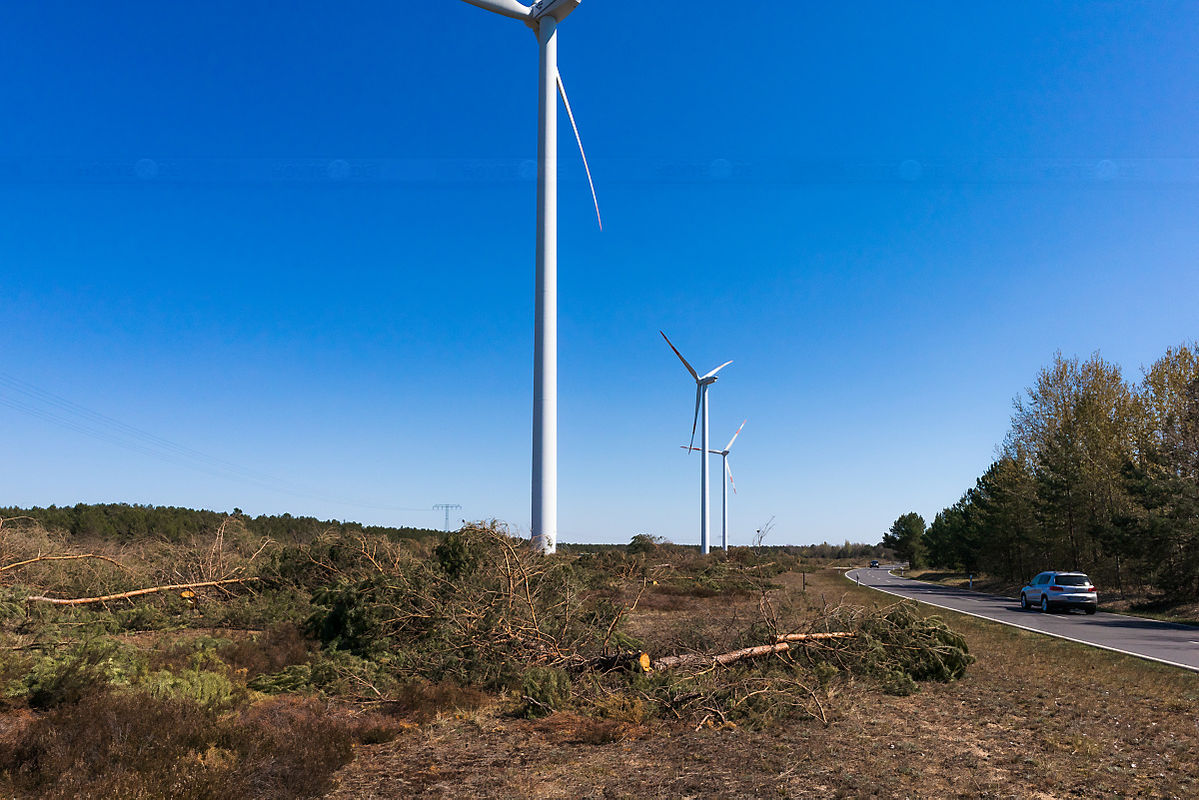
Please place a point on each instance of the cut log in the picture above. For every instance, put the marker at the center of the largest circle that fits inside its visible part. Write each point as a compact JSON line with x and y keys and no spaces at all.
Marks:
{"x":81,"y":601}
{"x":781,"y":646}
{"x":703,"y":659}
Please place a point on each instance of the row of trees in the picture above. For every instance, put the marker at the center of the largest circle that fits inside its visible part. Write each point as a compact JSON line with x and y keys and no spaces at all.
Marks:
{"x":1097,"y":473}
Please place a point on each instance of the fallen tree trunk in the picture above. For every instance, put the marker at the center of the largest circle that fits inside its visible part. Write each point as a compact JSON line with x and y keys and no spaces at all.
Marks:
{"x":80,"y":601}
{"x":780,"y":646}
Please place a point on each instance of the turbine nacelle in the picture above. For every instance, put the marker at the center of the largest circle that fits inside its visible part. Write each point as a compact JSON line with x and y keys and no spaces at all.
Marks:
{"x":558,"y":9}
{"x":696,"y":450}
{"x":507,"y":8}
{"x":724,"y":454}
{"x":702,"y":382}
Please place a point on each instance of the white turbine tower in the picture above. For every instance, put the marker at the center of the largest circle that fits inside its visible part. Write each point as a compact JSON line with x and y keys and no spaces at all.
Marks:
{"x":702,"y":382}
{"x":543,"y":17}
{"x":724,"y":492}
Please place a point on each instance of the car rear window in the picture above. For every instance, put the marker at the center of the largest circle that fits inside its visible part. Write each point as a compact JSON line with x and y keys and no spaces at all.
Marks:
{"x":1071,"y":580}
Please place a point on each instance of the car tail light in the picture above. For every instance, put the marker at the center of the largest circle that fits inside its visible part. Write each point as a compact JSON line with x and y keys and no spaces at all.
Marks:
{"x":1056,"y":589}
{"x":1090,"y":588}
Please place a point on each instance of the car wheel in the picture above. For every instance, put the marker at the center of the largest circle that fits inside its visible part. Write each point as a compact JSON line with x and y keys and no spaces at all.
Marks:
{"x":1044,"y":604}
{"x":1091,"y":609}
{"x":1023,"y":602}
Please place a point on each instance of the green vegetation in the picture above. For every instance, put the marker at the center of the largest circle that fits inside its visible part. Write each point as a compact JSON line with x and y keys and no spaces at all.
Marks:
{"x":1096,"y":474}
{"x":208,"y":660}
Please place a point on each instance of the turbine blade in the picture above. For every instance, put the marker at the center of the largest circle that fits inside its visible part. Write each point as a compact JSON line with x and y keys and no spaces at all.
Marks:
{"x":579,"y":139}
{"x":695,"y":421}
{"x":713,"y":372}
{"x":685,"y":364}
{"x":729,"y":446}
{"x":508,"y":8}
{"x":729,"y":471}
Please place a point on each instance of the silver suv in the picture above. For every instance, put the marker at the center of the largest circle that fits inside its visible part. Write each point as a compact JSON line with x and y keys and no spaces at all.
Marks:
{"x":1060,"y":590}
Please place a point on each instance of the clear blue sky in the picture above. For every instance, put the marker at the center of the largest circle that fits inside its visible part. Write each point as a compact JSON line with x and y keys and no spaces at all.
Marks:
{"x":293,"y":242}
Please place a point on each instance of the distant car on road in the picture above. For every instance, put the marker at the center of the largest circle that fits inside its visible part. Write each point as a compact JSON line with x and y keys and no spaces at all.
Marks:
{"x":874,"y":564}
{"x":1051,"y":590}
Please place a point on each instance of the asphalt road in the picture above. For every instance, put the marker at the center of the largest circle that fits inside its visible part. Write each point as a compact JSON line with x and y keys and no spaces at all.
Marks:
{"x":1168,"y":643}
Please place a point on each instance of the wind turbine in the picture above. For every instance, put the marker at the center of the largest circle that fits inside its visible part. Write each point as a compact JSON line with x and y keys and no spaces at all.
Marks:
{"x":724,"y":492}
{"x":543,"y":17}
{"x":702,"y":382}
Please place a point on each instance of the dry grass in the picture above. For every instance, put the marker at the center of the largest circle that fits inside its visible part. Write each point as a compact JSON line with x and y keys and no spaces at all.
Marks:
{"x":1033,"y":717}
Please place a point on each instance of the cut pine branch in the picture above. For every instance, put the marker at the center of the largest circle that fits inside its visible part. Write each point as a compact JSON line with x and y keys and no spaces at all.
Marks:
{"x":807,"y":637}
{"x":781,"y":646}
{"x":81,"y":601}
{"x":73,"y":557}
{"x":629,"y":661}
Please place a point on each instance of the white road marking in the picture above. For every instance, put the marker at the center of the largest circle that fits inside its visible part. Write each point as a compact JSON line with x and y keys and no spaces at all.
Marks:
{"x":1032,"y":630}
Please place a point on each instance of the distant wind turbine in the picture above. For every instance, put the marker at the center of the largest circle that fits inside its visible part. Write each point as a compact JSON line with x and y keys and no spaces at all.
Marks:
{"x":702,"y":382}
{"x":724,"y":492}
{"x":543,"y":17}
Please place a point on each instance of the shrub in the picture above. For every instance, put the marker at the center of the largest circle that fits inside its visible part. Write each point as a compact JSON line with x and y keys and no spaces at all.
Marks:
{"x":459,"y":552}
{"x":332,"y":673}
{"x":349,"y":616}
{"x":544,"y":690}
{"x":422,"y":701}
{"x":511,"y":608}
{"x":147,"y":616}
{"x":294,"y":678}
{"x":195,"y":652}
{"x":898,"y":647}
{"x":12,"y":603}
{"x":202,"y":687}
{"x":64,"y":679}
{"x":897,"y":682}
{"x":279,"y":646}
{"x":924,"y":648}
{"x":643,"y":543}
{"x":260,"y":610}
{"x":127,"y":744}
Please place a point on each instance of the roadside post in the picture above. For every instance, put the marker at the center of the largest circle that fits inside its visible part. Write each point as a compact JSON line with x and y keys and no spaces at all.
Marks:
{"x":971,"y":580}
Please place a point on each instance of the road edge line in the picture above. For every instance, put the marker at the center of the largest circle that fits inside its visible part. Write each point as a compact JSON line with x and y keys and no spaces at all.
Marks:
{"x":1187,"y":667}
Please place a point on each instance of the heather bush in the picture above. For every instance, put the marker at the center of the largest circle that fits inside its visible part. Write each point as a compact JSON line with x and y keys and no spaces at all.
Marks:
{"x":128,"y":744}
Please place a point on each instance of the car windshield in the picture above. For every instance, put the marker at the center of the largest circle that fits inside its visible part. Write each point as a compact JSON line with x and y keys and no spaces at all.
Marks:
{"x":1071,"y":580}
